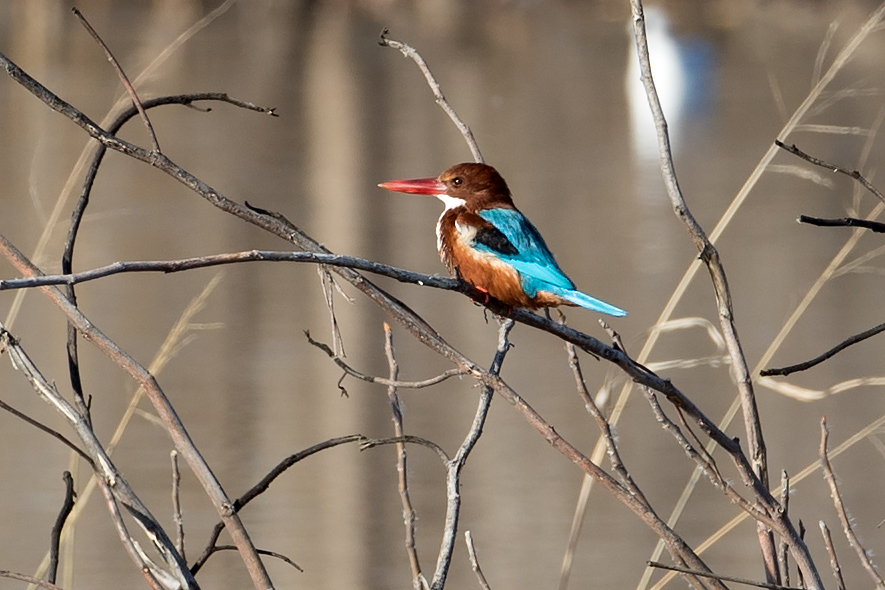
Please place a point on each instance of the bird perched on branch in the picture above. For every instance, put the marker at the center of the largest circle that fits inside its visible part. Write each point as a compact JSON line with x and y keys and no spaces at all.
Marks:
{"x":484,"y":239}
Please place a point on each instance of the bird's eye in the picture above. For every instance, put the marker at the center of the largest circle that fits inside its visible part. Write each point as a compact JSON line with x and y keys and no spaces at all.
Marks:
{"x":457,"y":181}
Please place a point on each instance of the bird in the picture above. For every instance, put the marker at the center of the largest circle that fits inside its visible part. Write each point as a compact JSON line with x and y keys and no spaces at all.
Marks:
{"x":486,"y":241}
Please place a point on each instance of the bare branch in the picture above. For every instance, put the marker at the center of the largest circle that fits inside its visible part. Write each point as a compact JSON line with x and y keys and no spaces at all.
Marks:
{"x":831,"y":551}
{"x":737,"y":580}
{"x":380,"y":380}
{"x":262,"y":486}
{"x":409,"y":516}
{"x":827,"y":355}
{"x":105,"y":471}
{"x":856,"y":175}
{"x":453,"y":475}
{"x":370,"y":443}
{"x":176,"y":505}
{"x":474,"y":561}
{"x":874,"y":226}
{"x":55,"y":539}
{"x":850,"y":534}
{"x":410,"y":52}
{"x":123,"y":78}
{"x":47,"y":430}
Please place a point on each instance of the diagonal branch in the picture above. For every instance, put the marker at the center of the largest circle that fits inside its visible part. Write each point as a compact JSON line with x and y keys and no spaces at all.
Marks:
{"x":856,"y":175}
{"x":410,"y":52}
{"x":828,"y":354}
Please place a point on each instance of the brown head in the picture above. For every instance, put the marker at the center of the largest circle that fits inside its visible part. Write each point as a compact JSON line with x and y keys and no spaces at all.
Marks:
{"x":475,"y":186}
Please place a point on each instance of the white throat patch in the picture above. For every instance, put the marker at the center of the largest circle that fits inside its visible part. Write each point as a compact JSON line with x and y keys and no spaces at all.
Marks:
{"x":450,"y":202}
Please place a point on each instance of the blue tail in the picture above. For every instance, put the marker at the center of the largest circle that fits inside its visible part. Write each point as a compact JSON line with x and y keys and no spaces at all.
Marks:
{"x":585,"y":300}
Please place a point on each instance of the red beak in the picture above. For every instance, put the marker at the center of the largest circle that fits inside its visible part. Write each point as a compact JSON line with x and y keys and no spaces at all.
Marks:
{"x":416,"y":186}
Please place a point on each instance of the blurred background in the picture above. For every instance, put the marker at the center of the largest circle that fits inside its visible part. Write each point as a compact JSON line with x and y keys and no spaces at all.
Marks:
{"x":551,"y":92}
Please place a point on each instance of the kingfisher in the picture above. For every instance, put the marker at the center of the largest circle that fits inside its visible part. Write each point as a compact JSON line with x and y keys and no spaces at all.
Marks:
{"x":483,"y":239}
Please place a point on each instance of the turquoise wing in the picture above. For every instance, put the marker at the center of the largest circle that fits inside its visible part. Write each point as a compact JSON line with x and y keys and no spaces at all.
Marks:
{"x":525,"y":250}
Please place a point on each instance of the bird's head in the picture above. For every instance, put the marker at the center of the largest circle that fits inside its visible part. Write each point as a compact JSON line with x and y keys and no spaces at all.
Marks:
{"x":475,"y":186}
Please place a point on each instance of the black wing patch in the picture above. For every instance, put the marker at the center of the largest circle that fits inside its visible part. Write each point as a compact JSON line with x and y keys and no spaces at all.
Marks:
{"x":492,"y":238}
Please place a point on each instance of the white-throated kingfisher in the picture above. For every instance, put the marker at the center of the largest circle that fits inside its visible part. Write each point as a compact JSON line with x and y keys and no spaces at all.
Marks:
{"x":484,"y":239}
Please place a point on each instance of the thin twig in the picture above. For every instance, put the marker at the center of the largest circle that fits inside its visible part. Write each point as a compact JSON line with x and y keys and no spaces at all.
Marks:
{"x":862,"y":554}
{"x":55,"y":537}
{"x":874,"y":226}
{"x":47,"y":430}
{"x":856,"y":175}
{"x":176,"y":504}
{"x":328,"y":284}
{"x":831,"y":551}
{"x":29,"y":579}
{"x":453,"y":475}
{"x":603,"y":424}
{"x":734,"y":579}
{"x":474,"y":561}
{"x":149,"y":570}
{"x":783,"y":551}
{"x":263,"y":485}
{"x":828,"y":354}
{"x":370,"y":443}
{"x":123,"y":78}
{"x":396,"y":410}
{"x":410,"y":52}
{"x":380,"y":380}
{"x":279,"y":556}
